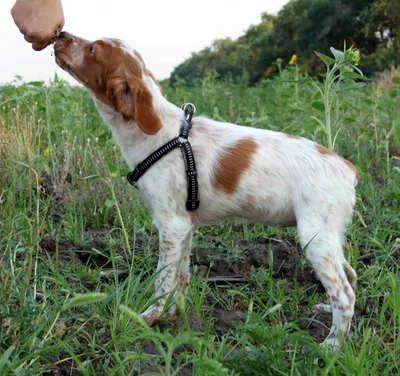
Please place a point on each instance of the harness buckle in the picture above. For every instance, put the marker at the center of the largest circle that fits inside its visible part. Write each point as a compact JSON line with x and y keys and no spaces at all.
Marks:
{"x":182,"y":139}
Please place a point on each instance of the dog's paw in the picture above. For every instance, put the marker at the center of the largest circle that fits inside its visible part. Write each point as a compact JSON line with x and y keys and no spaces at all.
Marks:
{"x":322,"y":308}
{"x":151,"y":315}
{"x":332,"y":343}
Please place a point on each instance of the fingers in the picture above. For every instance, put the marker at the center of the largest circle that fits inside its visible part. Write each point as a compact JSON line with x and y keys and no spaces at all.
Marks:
{"x":40,"y":46}
{"x":29,"y":38}
{"x":40,"y":21}
{"x":39,"y":43}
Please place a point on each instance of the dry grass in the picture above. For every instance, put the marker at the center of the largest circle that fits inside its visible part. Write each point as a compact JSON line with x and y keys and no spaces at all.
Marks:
{"x":384,"y":80}
{"x":20,"y":134}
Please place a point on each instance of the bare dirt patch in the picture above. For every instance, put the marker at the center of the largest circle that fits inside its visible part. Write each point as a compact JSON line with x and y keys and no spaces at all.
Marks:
{"x":282,"y":254}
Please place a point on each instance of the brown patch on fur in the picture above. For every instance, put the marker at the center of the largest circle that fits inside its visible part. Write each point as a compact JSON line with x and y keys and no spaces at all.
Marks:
{"x":325,"y":151}
{"x":329,"y":260}
{"x":287,"y":224}
{"x":174,"y":312}
{"x":168,"y":243}
{"x":347,"y":322}
{"x":349,"y":292}
{"x":293,"y":136}
{"x":334,"y":298}
{"x":234,"y":164}
{"x":330,"y":279}
{"x":351,"y":275}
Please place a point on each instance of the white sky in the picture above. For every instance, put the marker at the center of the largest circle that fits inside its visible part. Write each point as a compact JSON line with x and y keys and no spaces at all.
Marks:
{"x":164,"y":32}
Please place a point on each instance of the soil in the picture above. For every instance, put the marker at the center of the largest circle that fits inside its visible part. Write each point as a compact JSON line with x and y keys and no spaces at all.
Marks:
{"x":59,"y":367}
{"x":255,"y":254}
{"x":76,"y":252}
{"x":317,"y":325}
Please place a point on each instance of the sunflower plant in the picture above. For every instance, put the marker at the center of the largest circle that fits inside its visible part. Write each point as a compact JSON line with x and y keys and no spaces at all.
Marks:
{"x":341,"y":74}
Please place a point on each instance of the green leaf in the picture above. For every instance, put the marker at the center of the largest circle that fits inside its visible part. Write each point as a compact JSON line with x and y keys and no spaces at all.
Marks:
{"x":339,"y":55}
{"x":103,"y":138}
{"x":359,"y":215}
{"x":36,"y":83}
{"x":348,"y":120}
{"x":64,"y":94}
{"x":396,"y":80}
{"x":110,"y":203}
{"x":60,"y":280}
{"x":111,"y":168}
{"x":397,"y":129}
{"x":355,"y":76}
{"x":84,"y":299}
{"x":5,"y":358}
{"x":392,"y":92}
{"x":123,"y":172}
{"x":326,"y":59}
{"x":318,"y":106}
{"x":351,"y":85}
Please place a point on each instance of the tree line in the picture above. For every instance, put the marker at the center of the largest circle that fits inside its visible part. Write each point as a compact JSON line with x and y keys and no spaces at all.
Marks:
{"x":300,"y":28}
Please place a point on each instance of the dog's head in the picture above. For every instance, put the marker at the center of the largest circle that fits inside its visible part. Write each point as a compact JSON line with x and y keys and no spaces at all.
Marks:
{"x":114,"y":73}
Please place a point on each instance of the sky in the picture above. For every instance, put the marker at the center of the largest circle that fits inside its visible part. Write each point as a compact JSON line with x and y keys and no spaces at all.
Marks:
{"x":165,"y":32}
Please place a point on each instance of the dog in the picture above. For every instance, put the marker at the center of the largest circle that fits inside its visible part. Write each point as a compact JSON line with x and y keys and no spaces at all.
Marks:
{"x":257,"y":175}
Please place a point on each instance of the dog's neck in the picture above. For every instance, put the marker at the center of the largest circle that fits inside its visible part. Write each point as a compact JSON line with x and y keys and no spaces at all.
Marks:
{"x":134,"y":143}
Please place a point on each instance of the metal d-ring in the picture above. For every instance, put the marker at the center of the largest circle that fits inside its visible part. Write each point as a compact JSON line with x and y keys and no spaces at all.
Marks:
{"x":191,"y":105}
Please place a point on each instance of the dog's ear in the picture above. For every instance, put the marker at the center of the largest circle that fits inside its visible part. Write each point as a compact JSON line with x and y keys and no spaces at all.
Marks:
{"x":133,"y":100}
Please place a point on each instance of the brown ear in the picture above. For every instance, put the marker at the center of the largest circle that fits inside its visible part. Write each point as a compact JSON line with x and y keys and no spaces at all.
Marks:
{"x":145,"y":115}
{"x":134,"y":101}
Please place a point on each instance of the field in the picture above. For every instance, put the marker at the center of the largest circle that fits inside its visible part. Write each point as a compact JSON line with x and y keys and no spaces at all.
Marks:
{"x":70,"y":224}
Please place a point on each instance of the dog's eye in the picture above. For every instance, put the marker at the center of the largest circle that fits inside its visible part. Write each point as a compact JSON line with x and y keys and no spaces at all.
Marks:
{"x":91,"y":49}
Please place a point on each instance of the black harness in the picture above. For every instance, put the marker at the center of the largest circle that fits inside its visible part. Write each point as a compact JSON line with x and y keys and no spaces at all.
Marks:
{"x":182,"y":141}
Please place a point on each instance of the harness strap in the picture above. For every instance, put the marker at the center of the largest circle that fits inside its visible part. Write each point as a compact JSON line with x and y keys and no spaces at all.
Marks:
{"x":182,"y":140}
{"x":142,"y":167}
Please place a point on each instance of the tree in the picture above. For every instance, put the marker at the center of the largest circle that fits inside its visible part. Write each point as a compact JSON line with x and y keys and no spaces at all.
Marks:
{"x":301,"y":27}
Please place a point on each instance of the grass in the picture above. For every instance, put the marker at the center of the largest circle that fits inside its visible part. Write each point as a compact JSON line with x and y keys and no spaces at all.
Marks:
{"x":61,"y":181}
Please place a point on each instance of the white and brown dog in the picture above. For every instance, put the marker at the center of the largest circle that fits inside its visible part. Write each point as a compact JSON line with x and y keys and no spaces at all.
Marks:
{"x":258,"y":175}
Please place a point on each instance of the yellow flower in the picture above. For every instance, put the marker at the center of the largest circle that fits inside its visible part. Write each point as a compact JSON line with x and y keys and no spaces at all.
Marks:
{"x":293,"y":59}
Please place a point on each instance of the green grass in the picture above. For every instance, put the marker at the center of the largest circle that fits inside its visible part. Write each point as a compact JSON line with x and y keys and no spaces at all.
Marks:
{"x":62,"y":176}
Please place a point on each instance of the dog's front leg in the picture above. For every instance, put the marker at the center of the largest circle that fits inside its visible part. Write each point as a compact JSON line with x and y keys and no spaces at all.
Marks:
{"x":173,"y":264}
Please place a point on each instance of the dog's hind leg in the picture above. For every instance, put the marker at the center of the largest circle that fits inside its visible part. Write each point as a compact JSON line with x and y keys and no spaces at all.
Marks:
{"x":323,"y":251}
{"x":321,"y":229}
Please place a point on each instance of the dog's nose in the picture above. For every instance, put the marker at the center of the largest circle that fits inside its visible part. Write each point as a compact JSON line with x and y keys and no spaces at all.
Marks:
{"x":63,"y":34}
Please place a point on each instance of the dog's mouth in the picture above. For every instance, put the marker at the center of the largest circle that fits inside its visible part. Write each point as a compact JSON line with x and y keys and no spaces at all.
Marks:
{"x":59,"y":46}
{"x":62,"y":58}
{"x":61,"y":63}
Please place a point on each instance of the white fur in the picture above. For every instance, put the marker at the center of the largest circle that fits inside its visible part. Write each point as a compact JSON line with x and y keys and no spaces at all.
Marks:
{"x":288,"y":181}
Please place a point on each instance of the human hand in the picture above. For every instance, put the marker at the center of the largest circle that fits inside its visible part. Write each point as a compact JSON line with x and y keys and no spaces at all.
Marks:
{"x":40,"y":21}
